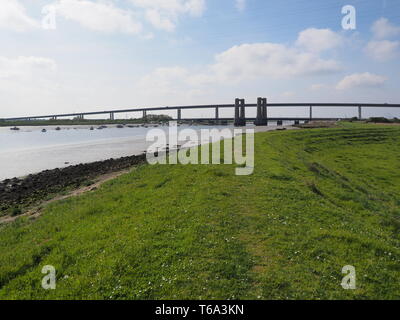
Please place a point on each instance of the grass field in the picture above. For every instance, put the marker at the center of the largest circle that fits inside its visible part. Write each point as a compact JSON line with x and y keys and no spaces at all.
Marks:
{"x":318,"y":200}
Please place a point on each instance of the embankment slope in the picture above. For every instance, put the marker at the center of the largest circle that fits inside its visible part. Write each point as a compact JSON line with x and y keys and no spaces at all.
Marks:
{"x":318,"y":200}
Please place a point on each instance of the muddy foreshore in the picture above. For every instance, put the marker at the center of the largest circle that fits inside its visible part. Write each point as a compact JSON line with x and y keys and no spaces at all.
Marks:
{"x":18,"y":193}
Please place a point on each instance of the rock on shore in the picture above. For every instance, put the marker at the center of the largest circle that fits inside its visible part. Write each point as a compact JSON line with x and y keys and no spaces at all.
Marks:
{"x":15,"y":192}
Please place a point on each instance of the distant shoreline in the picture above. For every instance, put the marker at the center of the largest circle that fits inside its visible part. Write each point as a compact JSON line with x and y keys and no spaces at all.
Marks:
{"x":89,"y":122}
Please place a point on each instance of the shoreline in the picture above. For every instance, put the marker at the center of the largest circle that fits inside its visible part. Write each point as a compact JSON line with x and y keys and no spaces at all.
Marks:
{"x":94,"y":122}
{"x":69,"y":146}
{"x":36,"y":209}
{"x":19,"y":195}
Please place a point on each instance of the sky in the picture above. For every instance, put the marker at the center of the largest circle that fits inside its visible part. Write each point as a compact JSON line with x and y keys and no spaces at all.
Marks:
{"x":61,"y":56}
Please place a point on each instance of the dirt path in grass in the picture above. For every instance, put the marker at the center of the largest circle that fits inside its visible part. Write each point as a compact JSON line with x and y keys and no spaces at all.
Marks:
{"x":38,"y":209}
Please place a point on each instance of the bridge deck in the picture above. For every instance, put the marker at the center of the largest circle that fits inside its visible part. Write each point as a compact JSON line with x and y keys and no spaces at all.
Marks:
{"x":215,"y":106}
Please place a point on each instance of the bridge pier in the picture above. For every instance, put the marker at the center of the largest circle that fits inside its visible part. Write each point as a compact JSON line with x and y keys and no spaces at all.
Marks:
{"x":237,"y":112}
{"x":359,"y":113}
{"x":265,"y":111}
{"x":216,"y":113}
{"x":311,"y":115}
{"x":179,"y":117}
{"x":261,"y":119}
{"x":259,"y":113}
{"x":112,"y":117}
{"x":240,"y":113}
{"x":242,"y":110}
{"x":144,"y":114}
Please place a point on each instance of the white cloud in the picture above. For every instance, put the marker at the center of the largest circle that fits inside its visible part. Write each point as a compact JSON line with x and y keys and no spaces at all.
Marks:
{"x":174,"y":84}
{"x":237,"y":65}
{"x":13,"y":17}
{"x":105,"y":15}
{"x":164,"y":14}
{"x":240,"y":4}
{"x":363,"y":80}
{"x":25,"y":67}
{"x":161,"y":78}
{"x":269,"y":60}
{"x":175,"y":7}
{"x":318,"y":86}
{"x":382,"y":29}
{"x":288,"y":94}
{"x":318,"y":40}
{"x":159,"y":22}
{"x":382,"y":50}
{"x":99,"y":16}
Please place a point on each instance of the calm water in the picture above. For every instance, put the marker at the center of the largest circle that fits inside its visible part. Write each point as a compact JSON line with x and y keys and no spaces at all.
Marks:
{"x":30,"y":150}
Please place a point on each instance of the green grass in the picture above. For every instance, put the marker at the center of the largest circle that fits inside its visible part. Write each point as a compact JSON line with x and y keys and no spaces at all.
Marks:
{"x":318,"y":200}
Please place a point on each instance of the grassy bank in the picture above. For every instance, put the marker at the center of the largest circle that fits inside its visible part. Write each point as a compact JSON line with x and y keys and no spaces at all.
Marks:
{"x":318,"y":200}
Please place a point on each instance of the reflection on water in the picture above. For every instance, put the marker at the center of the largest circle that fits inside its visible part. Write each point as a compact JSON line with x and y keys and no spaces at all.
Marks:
{"x":29,"y":150}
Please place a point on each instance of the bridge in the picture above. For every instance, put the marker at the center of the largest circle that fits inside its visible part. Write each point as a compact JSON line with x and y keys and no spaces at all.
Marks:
{"x":239,"y":107}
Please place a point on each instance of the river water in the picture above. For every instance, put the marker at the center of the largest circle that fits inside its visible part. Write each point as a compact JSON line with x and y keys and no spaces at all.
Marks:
{"x":30,"y":150}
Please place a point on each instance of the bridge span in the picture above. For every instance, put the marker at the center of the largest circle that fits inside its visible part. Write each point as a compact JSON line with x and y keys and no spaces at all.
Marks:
{"x":239,"y":107}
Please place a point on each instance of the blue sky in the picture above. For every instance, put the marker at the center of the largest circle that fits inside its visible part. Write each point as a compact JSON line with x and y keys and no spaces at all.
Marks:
{"x":126,"y":53}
